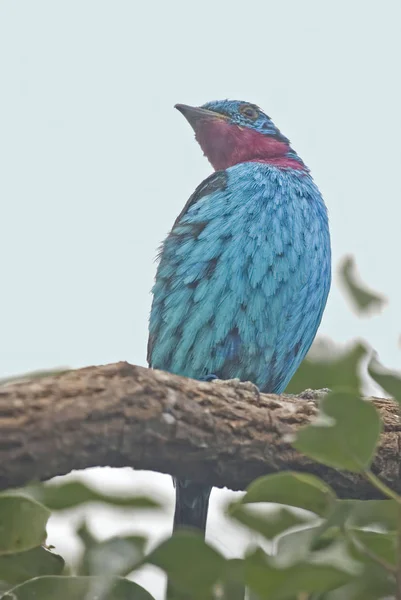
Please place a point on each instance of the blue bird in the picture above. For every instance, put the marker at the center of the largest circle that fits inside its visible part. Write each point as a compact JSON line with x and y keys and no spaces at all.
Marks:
{"x":245,"y":272}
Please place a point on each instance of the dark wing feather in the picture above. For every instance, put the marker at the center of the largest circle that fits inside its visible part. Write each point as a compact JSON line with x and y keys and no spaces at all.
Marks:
{"x":215,"y":182}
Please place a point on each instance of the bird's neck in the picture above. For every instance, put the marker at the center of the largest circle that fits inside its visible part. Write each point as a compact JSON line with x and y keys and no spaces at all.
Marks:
{"x":225,"y":145}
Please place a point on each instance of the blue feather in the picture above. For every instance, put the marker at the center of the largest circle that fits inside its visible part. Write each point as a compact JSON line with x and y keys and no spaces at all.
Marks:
{"x":244,"y":274}
{"x":260,"y":267}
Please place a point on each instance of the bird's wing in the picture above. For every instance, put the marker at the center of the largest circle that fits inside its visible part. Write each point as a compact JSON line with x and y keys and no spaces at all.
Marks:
{"x":217,"y":182}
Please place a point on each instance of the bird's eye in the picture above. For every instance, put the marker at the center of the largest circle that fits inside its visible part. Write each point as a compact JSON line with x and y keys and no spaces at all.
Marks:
{"x":250,"y":112}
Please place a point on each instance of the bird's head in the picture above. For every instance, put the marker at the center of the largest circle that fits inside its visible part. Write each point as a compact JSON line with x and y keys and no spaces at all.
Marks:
{"x":231,"y":131}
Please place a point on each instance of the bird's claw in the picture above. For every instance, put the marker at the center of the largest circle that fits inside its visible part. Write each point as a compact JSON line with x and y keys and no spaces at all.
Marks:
{"x":310,"y":394}
{"x":237,"y":384}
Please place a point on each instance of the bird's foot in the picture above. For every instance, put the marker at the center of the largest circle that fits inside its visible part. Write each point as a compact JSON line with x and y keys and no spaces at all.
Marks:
{"x":238,"y":385}
{"x":210,"y":377}
{"x":310,"y":394}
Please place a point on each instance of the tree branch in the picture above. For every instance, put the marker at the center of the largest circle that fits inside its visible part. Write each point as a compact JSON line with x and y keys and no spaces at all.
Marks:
{"x":122,"y":415}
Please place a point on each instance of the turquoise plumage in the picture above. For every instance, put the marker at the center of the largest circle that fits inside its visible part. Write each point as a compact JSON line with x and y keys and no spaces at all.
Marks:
{"x":244,"y":274}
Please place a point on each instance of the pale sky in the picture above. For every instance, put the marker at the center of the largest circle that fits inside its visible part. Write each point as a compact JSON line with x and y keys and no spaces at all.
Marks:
{"x":96,"y":163}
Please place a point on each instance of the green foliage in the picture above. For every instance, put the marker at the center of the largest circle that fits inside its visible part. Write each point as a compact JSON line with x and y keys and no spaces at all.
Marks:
{"x":331,"y":439}
{"x":269,"y":524}
{"x":77,"y":588}
{"x":70,"y":494}
{"x":372,"y":513}
{"x":191,"y":564}
{"x":294,"y":489}
{"x":16,"y":568}
{"x":231,"y":586}
{"x":363,"y":299}
{"x":22,"y":523}
{"x":270,"y":580}
{"x":115,"y":556}
{"x":378,"y":544}
{"x":330,"y":369}
{"x":324,"y":548}
{"x":373,"y":584}
{"x":388,"y":380}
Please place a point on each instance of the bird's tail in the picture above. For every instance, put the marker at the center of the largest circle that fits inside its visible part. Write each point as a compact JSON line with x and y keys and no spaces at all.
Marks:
{"x":191,"y":504}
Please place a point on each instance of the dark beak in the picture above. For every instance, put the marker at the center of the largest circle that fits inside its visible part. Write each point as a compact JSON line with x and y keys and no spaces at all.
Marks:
{"x":194,"y":114}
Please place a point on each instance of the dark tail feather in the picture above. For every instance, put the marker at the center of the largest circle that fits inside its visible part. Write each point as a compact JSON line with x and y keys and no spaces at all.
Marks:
{"x":191,"y":504}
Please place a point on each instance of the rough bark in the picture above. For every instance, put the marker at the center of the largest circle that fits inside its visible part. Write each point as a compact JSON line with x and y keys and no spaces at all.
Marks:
{"x":122,"y":415}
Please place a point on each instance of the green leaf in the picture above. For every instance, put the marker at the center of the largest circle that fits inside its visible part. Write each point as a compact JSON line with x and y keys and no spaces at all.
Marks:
{"x":16,"y":568}
{"x":331,"y":370}
{"x":306,"y":544}
{"x":86,"y":537}
{"x":77,"y":588}
{"x":116,"y":556}
{"x":188,"y":561}
{"x":74,"y":493}
{"x":333,"y":439}
{"x":113,"y":557}
{"x":232,"y":586}
{"x":318,"y":574}
{"x":22,"y":523}
{"x":373,"y":583}
{"x":363,"y":299}
{"x":268,"y":523}
{"x":293,"y":489}
{"x":295,"y":546}
{"x":388,"y":380}
{"x":355,"y":514}
{"x":383,"y":545}
{"x":372,"y":513}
